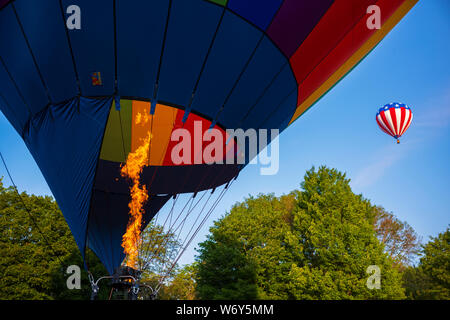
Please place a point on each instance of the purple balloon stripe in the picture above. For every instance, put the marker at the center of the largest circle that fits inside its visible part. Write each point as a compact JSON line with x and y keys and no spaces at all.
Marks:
{"x":294,"y":21}
{"x":3,"y":3}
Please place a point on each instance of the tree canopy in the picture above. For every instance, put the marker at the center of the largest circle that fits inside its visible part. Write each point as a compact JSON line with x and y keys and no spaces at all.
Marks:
{"x":431,"y":278}
{"x":315,"y":243}
{"x":37,"y":247}
{"x":318,"y":242}
{"x":400,"y":240}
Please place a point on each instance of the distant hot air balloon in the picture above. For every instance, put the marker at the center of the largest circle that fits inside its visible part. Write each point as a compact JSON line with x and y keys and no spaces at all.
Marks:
{"x":86,"y":95}
{"x":394,"y":119}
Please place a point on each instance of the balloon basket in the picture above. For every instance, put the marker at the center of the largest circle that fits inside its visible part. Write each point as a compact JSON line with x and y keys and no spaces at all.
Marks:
{"x":124,"y":284}
{"x":124,"y":277}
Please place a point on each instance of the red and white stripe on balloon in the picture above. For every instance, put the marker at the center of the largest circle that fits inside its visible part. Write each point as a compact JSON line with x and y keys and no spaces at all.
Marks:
{"x":394,"y":119}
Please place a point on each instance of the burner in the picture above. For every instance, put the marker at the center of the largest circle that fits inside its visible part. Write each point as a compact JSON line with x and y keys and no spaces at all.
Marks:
{"x":124,"y":278}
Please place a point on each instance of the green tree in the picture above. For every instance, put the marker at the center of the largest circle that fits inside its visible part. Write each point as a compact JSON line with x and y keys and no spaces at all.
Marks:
{"x":316,"y":243}
{"x":435,"y":264}
{"x":59,"y":290}
{"x":182,"y":285}
{"x":37,"y":247}
{"x":245,"y":256}
{"x":430,"y":280}
{"x":157,"y":253}
{"x":335,"y":238}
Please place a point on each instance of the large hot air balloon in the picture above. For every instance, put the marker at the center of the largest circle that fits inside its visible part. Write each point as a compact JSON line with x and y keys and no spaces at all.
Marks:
{"x":84,"y":81}
{"x":394,"y":119}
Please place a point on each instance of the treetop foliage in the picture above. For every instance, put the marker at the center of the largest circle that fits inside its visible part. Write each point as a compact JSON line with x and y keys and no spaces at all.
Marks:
{"x":314,"y":243}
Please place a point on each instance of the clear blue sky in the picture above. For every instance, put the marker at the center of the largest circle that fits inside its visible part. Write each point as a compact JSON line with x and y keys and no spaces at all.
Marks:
{"x":411,"y":65}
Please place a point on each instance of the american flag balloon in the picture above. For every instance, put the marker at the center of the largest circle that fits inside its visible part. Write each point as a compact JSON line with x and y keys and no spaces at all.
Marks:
{"x":394,"y":119}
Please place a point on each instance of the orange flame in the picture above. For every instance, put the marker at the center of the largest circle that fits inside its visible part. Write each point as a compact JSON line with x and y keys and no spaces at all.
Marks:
{"x":139,"y":196}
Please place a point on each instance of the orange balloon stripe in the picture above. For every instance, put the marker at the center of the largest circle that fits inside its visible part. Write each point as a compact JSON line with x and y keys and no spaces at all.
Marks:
{"x":163,"y":122}
{"x":160,"y":125}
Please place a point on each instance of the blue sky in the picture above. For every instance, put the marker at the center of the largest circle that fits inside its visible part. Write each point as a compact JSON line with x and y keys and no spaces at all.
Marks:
{"x":412,"y":179}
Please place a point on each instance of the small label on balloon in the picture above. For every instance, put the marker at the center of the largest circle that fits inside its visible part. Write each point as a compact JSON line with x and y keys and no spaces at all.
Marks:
{"x":96,"y":78}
